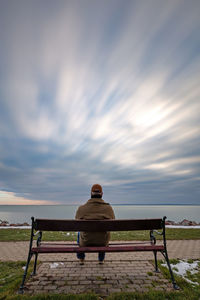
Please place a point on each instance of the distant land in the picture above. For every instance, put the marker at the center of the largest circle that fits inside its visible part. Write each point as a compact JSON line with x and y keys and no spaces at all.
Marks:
{"x":116,"y":204}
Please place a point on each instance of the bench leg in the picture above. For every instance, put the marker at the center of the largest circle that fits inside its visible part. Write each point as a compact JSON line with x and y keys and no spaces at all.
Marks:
{"x":30,"y":254}
{"x":35,"y":264}
{"x":156,"y":262}
{"x":175,"y":286}
{"x":21,"y":289}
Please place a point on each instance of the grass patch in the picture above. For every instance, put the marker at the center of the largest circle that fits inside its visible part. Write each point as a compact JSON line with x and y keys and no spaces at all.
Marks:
{"x":99,"y":278}
{"x":11,"y":276}
{"x":9,"y":235}
{"x":54,"y":297}
{"x":190,"y":260}
{"x":143,"y":235}
{"x":174,"y":261}
{"x":151,"y":295}
{"x":171,"y":234}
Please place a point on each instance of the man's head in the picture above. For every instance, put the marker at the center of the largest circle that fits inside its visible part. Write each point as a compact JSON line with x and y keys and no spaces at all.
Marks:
{"x":96,"y":191}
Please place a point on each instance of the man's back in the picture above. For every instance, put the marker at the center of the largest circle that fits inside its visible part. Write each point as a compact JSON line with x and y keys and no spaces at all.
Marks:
{"x":95,"y":209}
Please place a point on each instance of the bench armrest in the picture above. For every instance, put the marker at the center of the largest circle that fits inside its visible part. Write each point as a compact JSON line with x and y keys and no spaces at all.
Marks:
{"x":35,"y":234}
{"x":39,"y":239}
{"x":157,"y":232}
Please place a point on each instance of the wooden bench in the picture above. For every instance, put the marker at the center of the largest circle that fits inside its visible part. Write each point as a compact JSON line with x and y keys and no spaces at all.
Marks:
{"x":152,"y":225}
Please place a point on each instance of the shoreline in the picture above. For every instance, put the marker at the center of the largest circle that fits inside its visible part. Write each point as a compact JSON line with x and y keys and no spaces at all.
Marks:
{"x":184,"y":224}
{"x":167,"y":226}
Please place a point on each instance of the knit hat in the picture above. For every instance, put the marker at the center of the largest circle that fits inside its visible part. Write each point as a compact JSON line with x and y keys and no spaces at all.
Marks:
{"x":96,"y":188}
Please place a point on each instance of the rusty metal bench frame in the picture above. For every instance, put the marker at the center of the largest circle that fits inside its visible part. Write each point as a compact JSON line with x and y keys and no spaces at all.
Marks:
{"x":40,"y":225}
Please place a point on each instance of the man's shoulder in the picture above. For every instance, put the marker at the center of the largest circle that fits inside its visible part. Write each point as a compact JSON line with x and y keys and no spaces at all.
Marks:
{"x":79,"y":212}
{"x":106,"y":203}
{"x":81,"y":206}
{"x":92,"y":201}
{"x":97,"y":201}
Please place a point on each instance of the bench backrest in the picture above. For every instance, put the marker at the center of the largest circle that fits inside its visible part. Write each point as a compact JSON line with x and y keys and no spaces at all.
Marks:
{"x":97,"y":225}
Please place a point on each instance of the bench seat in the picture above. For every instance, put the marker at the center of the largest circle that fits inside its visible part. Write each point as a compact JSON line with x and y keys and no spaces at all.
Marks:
{"x":93,"y":249}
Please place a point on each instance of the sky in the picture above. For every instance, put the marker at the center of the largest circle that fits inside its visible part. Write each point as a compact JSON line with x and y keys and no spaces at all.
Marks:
{"x":101,"y":92}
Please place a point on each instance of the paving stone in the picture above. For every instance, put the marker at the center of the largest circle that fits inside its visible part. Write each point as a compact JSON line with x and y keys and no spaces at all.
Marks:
{"x":38,"y":291}
{"x":29,"y":291}
{"x":129,"y":289}
{"x":72,"y":282}
{"x":109,"y":281}
{"x":50,"y":287}
{"x":142,"y":289}
{"x":35,"y":282}
{"x":86,"y":282}
{"x":43,"y":283}
{"x":60,"y":283}
{"x":105,"y":286}
{"x":115,"y":290}
{"x":65,"y":289}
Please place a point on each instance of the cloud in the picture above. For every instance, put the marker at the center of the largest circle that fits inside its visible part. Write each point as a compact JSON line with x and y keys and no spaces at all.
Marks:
{"x":101,"y":92}
{"x":9,"y":198}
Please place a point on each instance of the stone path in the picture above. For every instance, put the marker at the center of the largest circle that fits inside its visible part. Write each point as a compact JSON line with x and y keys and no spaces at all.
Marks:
{"x":61,"y":273}
{"x":113,"y":276}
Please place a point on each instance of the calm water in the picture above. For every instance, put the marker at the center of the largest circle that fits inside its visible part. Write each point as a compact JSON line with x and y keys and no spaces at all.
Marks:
{"x":23,"y":213}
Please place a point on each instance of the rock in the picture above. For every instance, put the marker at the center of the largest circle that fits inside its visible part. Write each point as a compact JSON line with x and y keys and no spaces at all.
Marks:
{"x":188,"y":223}
{"x":20,"y":224}
{"x":4,"y":224}
{"x":25,"y":224}
{"x":184,"y":222}
{"x":192,"y":223}
{"x":169,"y":222}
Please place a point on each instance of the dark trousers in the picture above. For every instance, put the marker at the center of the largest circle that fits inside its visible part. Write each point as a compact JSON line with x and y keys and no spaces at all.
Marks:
{"x":81,"y":255}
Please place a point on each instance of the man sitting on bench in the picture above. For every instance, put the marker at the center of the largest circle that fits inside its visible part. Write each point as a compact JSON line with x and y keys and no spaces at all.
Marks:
{"x":94,"y":209}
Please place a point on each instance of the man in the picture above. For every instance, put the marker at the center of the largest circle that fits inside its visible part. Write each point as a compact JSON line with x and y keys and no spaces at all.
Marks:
{"x":94,"y":209}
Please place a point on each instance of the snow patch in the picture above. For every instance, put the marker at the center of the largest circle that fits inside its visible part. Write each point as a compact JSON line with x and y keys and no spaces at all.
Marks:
{"x":182,"y":267}
{"x":15,"y":227}
{"x":55,"y":265}
{"x":182,"y":226}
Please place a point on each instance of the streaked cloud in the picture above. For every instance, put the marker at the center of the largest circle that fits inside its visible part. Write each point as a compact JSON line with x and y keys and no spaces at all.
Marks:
{"x":97,"y":91}
{"x":10,"y":198}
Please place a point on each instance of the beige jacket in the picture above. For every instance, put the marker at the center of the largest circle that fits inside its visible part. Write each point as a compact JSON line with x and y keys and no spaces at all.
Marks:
{"x":95,"y":209}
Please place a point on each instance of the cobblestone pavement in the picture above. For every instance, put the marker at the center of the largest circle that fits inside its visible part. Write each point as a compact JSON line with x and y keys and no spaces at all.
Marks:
{"x":61,"y":273}
{"x":113,"y":276}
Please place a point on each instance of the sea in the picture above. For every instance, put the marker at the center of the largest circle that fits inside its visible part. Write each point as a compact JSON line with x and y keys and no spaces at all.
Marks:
{"x":23,"y":213}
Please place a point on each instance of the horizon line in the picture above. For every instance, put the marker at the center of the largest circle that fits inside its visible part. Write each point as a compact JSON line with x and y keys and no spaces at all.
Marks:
{"x":70,"y":204}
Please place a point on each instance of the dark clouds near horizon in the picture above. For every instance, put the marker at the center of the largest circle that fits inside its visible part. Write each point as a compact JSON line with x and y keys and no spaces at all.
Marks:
{"x":99,"y":92}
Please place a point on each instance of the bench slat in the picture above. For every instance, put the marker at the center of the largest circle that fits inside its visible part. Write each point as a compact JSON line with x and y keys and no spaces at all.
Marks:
{"x":97,"y":225}
{"x":47,"y":244}
{"x":96,"y":249}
